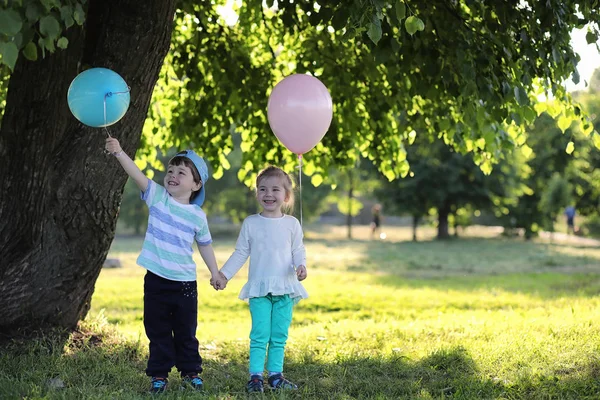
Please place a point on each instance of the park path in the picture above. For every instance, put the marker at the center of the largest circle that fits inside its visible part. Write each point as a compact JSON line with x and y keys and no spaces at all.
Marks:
{"x":572,"y":239}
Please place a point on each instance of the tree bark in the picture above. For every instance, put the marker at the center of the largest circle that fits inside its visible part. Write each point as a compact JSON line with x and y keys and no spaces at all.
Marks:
{"x":415,"y":225}
{"x":350,"y":197}
{"x":443,"y":213}
{"x":60,"y":193}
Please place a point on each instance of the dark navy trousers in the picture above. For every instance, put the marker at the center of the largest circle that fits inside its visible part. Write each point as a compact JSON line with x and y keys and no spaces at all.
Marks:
{"x":170,"y":319}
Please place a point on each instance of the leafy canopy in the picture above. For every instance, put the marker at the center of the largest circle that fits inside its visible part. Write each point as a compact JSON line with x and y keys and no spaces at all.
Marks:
{"x":467,"y":71}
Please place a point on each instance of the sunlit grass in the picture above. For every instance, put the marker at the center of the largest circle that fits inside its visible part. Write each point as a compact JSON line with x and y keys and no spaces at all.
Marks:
{"x":476,"y":318}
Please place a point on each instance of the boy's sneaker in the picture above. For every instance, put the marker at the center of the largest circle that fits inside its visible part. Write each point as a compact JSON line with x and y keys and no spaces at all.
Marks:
{"x":255,"y":384}
{"x":277,"y":381}
{"x":158,"y":384}
{"x":193,"y":381}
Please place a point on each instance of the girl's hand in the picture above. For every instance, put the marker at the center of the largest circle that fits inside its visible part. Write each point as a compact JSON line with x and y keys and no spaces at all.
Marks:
{"x":113,"y":146}
{"x":301,"y":272}
{"x":219,"y":282}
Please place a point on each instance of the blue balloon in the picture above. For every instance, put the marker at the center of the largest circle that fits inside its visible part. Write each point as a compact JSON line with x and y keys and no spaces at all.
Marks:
{"x":88,"y":92}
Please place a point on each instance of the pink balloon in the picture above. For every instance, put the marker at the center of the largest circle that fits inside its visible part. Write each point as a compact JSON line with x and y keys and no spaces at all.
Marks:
{"x":299,"y":112}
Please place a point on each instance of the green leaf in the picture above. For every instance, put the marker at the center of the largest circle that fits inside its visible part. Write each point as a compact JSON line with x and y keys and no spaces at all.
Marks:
{"x":588,"y":128}
{"x":526,"y":150}
{"x":46,"y":43}
{"x":576,"y":77}
{"x":218,"y":174}
{"x":9,"y":53}
{"x":413,"y":24}
{"x":30,"y":51}
{"x":554,"y":109}
{"x":570,"y":148}
{"x":10,"y":22}
{"x":591,"y":37}
{"x":400,"y":10}
{"x":529,"y":114}
{"x":564,"y":123}
{"x":404,"y":169}
{"x":596,"y":139}
{"x":316,"y":180}
{"x":389,"y":174}
{"x":540,"y":108}
{"x":486,"y":167}
{"x":521,"y":96}
{"x":33,"y":12}
{"x":79,"y":14}
{"x":66,"y":14}
{"x":480,"y":143}
{"x":374,"y":31}
{"x":49,"y":27}
{"x":62,"y":43}
{"x":18,"y":39}
{"x":49,"y":4}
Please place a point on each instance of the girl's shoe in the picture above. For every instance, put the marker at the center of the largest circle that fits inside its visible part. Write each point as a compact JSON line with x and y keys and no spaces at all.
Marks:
{"x":277,"y":381}
{"x":158,"y":384}
{"x":193,"y":381}
{"x":255,"y":384}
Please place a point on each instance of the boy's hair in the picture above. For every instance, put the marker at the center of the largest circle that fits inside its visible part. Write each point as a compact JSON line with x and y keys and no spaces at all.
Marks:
{"x":177,"y":161}
{"x":288,"y":184}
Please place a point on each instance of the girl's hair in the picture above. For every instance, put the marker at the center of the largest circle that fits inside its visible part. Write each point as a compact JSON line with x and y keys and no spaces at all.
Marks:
{"x":288,"y":185}
{"x":177,"y":161}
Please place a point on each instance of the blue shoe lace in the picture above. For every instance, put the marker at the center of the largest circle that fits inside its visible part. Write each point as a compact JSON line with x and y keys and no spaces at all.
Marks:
{"x":279,"y":382}
{"x":158,"y":385}
{"x":195,"y":381}
{"x":255,"y":384}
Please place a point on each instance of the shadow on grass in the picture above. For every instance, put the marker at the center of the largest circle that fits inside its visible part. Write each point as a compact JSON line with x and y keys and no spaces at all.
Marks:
{"x":545,"y":269}
{"x":115,"y":370}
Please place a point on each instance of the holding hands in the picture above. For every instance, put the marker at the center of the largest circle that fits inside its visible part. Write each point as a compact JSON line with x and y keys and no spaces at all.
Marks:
{"x":218,"y":281}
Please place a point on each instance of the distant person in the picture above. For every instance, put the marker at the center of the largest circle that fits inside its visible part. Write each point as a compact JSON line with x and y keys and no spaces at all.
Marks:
{"x":570,"y":214}
{"x":376,"y":221}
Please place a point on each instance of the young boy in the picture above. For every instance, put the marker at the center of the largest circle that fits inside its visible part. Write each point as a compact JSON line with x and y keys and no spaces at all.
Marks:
{"x":175,"y":222}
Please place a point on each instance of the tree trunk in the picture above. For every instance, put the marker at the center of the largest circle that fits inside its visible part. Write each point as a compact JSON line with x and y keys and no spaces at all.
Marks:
{"x":350,"y":196}
{"x":60,"y":193}
{"x":415,"y":224}
{"x":443,"y":213}
{"x":455,"y":225}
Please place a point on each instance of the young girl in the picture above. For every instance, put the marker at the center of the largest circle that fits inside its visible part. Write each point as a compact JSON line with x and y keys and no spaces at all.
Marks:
{"x":170,"y":291}
{"x":273,"y":241}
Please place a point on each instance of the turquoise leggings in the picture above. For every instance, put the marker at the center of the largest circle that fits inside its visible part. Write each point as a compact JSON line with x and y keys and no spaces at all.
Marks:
{"x":271,"y":318}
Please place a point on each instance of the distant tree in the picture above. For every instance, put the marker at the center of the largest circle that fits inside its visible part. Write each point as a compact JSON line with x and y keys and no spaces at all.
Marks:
{"x":547,"y":157}
{"x":584,"y":174}
{"x":447,"y":181}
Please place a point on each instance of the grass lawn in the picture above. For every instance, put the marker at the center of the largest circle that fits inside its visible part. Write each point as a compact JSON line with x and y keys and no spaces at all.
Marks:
{"x":481,"y":317}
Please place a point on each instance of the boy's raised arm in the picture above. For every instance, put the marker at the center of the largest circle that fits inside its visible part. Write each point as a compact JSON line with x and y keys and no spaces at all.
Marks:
{"x":141,"y":180}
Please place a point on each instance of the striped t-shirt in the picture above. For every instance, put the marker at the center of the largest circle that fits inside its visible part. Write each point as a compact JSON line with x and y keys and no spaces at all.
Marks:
{"x":172,"y":229}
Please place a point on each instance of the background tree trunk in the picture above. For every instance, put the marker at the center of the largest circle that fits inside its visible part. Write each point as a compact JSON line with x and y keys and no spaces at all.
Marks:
{"x":350,"y":197}
{"x":443,"y":213}
{"x":60,"y":193}
{"x":415,"y":225}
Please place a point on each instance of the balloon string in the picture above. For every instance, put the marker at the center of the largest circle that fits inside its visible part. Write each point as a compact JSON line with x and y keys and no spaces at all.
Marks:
{"x":300,"y":183}
{"x":109,"y":94}
{"x":105,"y":129}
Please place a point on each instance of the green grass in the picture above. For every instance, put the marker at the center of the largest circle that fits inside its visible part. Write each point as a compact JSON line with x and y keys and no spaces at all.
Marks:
{"x":477,"y":318}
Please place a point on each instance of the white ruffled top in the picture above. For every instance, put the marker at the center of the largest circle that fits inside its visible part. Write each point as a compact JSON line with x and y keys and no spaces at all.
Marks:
{"x":275,"y":248}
